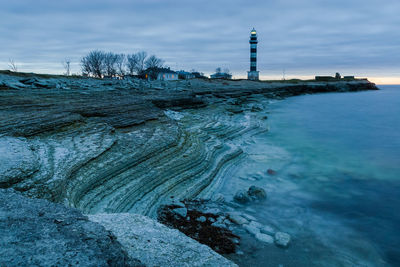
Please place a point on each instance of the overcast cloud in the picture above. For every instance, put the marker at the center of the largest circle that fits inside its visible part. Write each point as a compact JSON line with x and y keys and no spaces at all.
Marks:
{"x":302,"y":37}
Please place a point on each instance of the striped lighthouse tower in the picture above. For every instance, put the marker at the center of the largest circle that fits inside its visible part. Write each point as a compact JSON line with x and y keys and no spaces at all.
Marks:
{"x":253,"y":73}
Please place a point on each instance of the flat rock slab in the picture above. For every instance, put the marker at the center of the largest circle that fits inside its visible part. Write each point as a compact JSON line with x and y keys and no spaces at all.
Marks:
{"x":17,"y":160}
{"x":35,"y":232}
{"x":155,"y":244}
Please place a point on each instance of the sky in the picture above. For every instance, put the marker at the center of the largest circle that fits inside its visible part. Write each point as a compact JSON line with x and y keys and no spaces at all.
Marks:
{"x":297,"y":38}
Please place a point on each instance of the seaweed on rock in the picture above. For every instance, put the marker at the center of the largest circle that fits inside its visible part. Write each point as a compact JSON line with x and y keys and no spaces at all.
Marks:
{"x":205,"y":227}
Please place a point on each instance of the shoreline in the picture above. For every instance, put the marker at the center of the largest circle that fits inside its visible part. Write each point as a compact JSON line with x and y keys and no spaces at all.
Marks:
{"x":132,"y":131}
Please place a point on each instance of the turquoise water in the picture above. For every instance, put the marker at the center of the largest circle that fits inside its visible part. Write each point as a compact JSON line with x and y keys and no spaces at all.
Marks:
{"x":337,"y":187}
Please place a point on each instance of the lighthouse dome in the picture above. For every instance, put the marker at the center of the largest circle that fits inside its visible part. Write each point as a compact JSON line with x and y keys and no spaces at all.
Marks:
{"x":253,"y":31}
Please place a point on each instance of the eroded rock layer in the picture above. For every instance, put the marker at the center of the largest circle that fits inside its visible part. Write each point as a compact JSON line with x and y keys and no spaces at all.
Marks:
{"x":129,"y":146}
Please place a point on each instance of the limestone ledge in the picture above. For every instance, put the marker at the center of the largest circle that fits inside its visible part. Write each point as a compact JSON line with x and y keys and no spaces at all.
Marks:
{"x":130,"y":146}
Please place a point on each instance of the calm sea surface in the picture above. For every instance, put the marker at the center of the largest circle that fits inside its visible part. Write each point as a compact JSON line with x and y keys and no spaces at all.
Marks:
{"x":337,"y":188}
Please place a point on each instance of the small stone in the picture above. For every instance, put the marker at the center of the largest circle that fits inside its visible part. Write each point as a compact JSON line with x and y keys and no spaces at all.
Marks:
{"x":282,"y":239}
{"x":256,"y":224}
{"x":211,"y":219}
{"x":238,"y":219}
{"x":177,"y":203}
{"x":201,"y":219}
{"x":251,"y":229}
{"x":219,"y":225}
{"x":266,"y":229}
{"x":257,"y":193}
{"x":265,"y":238}
{"x":241,"y":196}
{"x":181,"y":212}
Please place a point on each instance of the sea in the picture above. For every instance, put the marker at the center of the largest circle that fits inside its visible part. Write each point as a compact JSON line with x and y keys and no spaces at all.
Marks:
{"x":336,"y":189}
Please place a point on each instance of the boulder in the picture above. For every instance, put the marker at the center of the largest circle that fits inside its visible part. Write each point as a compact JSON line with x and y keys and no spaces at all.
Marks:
{"x":282,"y":239}
{"x":257,"y":193}
{"x":242,"y":197}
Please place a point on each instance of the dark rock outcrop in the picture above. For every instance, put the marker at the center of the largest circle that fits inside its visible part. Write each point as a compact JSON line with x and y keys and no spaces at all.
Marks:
{"x":254,"y":193}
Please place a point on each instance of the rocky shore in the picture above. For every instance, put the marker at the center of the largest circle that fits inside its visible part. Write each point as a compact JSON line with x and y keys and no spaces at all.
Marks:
{"x":128,"y":148}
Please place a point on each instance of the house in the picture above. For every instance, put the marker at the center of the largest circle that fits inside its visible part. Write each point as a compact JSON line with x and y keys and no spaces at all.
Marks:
{"x":184,"y":75}
{"x":221,"y":75}
{"x":160,"y":74}
{"x":325,"y":78}
{"x":337,"y":77}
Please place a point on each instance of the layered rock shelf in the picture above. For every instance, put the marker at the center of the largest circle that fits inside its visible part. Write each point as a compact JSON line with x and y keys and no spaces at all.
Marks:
{"x":106,"y":146}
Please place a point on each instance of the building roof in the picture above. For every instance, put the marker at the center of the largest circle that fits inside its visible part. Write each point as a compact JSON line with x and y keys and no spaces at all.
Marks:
{"x":160,"y":70}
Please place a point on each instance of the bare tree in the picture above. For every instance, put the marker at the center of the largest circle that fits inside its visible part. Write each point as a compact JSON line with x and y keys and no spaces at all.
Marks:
{"x":131,"y":63}
{"x":120,"y":64}
{"x":110,"y":62}
{"x":136,"y":62}
{"x":12,"y":65}
{"x":67,"y":66}
{"x":94,"y":64}
{"x":153,"y":62}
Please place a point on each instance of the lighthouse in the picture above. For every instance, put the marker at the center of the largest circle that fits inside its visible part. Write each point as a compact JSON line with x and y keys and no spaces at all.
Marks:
{"x":253,"y":73}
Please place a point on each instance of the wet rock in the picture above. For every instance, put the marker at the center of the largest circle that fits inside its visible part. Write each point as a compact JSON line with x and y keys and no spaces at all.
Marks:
{"x":202,"y":219}
{"x":265,"y":238}
{"x":242,"y":197}
{"x":181,"y":212}
{"x":282,"y":239}
{"x":177,"y":204}
{"x":237,"y":219}
{"x":257,"y":193}
{"x":256,"y":224}
{"x":251,"y":229}
{"x":266,"y":229}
